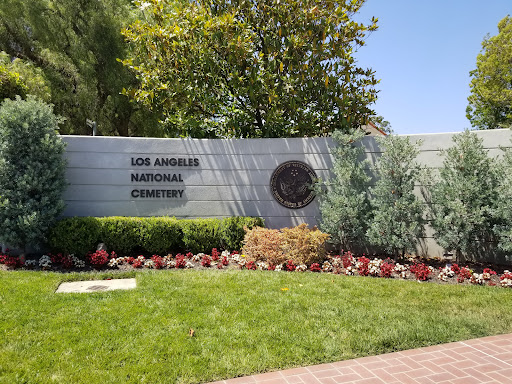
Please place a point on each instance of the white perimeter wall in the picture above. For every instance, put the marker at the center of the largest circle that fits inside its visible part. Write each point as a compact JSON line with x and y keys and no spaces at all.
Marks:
{"x":232,"y":178}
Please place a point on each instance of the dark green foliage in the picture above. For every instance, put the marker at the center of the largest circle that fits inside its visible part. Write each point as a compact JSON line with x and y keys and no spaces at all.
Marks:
{"x":233,"y":232}
{"x":397,"y":222}
{"x":273,"y":68}
{"x":201,"y":235}
{"x":11,"y":85}
{"x":75,"y":45}
{"x":76,"y":235}
{"x":130,"y":235}
{"x":122,"y":234}
{"x":344,"y":203}
{"x":32,"y":172}
{"x":464,"y":195}
{"x":503,"y":207}
{"x":161,"y":234}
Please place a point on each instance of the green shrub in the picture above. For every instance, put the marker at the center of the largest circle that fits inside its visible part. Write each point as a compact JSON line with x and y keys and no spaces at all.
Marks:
{"x":122,"y":234}
{"x":201,"y":235}
{"x":233,"y":232}
{"x":161,"y":234}
{"x":32,"y":172}
{"x":76,"y":235}
{"x":130,"y":235}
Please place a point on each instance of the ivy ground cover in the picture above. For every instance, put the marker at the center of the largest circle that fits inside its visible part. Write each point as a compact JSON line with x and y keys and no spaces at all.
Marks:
{"x":191,"y":326}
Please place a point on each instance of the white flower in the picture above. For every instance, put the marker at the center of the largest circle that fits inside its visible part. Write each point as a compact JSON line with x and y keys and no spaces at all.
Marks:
{"x":445,"y":273}
{"x":278,"y":268}
{"x":30,"y":263}
{"x":197,"y":258}
{"x":326,"y":266}
{"x":112,"y":262}
{"x":45,"y":261}
{"x":301,"y":268}
{"x":149,"y":263}
{"x":262,"y":266}
{"x":189,"y":265}
{"x":77,"y":262}
{"x":350,"y":270}
{"x":477,"y":279}
{"x":401,"y":270}
{"x":336,"y":262}
{"x":225,"y":253}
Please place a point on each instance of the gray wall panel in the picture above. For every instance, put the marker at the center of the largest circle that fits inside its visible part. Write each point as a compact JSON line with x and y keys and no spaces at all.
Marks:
{"x":232,"y":178}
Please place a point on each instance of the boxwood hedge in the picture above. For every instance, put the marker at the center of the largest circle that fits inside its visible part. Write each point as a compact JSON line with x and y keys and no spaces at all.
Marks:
{"x":160,"y":235}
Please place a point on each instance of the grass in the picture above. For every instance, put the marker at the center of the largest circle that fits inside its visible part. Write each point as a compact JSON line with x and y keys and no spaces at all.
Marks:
{"x":244,"y":323}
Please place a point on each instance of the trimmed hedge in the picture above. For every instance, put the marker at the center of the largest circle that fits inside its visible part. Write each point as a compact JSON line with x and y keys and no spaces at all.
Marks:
{"x":153,"y":235}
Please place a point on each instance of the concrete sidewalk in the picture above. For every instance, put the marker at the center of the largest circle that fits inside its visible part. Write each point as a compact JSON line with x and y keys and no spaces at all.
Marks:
{"x":485,"y":360}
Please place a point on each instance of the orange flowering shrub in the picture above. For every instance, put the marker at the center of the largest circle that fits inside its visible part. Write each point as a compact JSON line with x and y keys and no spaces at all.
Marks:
{"x":299,"y":244}
{"x":304,"y":245}
{"x":264,"y":244}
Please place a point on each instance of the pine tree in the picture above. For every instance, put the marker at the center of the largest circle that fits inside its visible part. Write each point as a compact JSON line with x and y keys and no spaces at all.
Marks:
{"x":344,"y":204}
{"x":397,"y":223}
{"x":31,"y":172}
{"x":503,"y":207}
{"x":463,"y":197}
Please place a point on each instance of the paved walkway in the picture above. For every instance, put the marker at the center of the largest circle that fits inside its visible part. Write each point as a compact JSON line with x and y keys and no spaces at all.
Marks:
{"x":485,"y":360}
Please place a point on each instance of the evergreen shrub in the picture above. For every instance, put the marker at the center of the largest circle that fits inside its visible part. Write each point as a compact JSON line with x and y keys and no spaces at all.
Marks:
{"x":200,"y":235}
{"x":32,"y":172}
{"x":233,"y":230}
{"x":161,"y":234}
{"x":76,"y":235}
{"x":130,"y":235}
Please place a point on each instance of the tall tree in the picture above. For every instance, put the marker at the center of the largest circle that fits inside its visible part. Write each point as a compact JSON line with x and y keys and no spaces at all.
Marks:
{"x":503,"y":206}
{"x":464,"y":195}
{"x":344,"y":202}
{"x":76,"y":44}
{"x":490,"y":101}
{"x":252,"y":68}
{"x":32,"y":172}
{"x":397,"y":222}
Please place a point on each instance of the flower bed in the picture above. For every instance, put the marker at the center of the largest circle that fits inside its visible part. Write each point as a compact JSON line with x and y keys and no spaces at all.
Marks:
{"x":346,"y":264}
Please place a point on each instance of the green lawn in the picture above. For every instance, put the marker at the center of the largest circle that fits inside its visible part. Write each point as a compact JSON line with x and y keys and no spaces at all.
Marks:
{"x":244,"y":323}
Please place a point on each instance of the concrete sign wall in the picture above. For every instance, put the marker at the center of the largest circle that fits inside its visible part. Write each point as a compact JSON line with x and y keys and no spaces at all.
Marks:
{"x":189,"y":178}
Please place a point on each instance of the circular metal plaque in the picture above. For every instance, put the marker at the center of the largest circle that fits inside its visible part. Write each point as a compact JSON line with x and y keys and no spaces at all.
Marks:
{"x":291,"y":184}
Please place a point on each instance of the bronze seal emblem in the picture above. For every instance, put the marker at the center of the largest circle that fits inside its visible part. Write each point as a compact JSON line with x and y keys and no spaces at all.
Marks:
{"x":291,"y":184}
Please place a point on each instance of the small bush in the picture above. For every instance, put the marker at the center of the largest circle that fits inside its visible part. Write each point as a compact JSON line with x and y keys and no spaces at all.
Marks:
{"x":304,"y":245}
{"x":76,"y":235}
{"x":263,"y":244}
{"x":153,"y":235}
{"x":200,"y":235}
{"x":161,"y":234}
{"x":299,"y":244}
{"x":32,"y":172}
{"x":122,"y":234}
{"x":232,"y":230}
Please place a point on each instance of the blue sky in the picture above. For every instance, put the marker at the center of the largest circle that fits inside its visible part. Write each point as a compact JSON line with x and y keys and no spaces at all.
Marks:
{"x":423,"y":52}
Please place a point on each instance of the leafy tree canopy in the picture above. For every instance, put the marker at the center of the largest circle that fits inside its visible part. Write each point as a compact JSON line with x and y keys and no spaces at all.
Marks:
{"x":251,"y":68}
{"x":490,"y":101}
{"x":72,"y":47}
{"x":11,"y":84}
